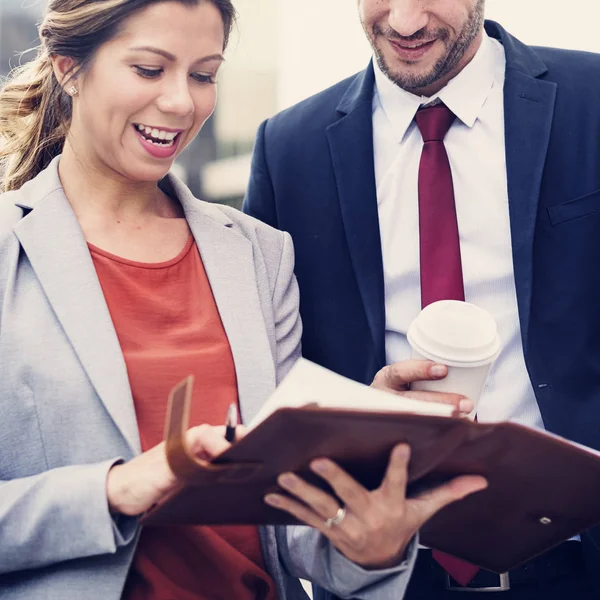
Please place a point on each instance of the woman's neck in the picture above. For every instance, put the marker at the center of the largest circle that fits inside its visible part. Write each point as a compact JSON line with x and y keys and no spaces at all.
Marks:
{"x":96,"y":192}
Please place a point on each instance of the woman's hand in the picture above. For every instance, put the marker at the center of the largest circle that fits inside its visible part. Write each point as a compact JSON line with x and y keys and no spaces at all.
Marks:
{"x":133,"y":487}
{"x":374,"y":528}
{"x":397,"y":377}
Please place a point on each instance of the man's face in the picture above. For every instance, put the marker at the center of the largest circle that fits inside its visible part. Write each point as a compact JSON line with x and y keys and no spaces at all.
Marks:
{"x":422,"y":44}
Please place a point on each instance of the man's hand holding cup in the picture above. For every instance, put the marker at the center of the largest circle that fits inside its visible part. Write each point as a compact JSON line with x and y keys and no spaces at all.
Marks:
{"x":453,"y":346}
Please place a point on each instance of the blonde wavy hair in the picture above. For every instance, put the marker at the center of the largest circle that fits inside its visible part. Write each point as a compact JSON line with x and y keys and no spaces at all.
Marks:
{"x":35,"y":111}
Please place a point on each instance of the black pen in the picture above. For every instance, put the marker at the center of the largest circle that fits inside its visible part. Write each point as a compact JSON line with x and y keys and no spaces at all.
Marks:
{"x":231,"y":423}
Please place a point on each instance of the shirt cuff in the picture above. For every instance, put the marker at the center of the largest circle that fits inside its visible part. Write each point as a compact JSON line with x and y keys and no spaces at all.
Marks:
{"x":353,"y":581}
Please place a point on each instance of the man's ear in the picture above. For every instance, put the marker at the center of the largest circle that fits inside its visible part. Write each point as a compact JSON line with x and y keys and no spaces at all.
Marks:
{"x":64,"y":70}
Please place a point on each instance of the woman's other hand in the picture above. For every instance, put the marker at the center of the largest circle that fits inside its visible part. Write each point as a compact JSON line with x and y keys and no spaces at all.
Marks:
{"x":375,"y":527}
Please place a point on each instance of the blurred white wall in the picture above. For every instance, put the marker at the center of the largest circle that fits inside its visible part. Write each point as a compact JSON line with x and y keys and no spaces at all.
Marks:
{"x":561,"y":24}
{"x":288,"y":50}
{"x":321,"y":41}
{"x":248,"y":79}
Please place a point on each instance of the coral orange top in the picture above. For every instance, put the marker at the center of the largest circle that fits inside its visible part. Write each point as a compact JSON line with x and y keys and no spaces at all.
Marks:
{"x":169,"y":327}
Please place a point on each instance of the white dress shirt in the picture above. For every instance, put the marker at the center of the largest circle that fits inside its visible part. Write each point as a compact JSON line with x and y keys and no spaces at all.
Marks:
{"x":476,"y":150}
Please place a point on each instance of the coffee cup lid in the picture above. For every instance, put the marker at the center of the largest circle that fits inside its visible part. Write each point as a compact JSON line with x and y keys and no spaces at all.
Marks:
{"x":455,"y":333}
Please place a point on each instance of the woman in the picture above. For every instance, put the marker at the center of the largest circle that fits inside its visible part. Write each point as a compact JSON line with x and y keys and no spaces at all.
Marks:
{"x":114,"y":284}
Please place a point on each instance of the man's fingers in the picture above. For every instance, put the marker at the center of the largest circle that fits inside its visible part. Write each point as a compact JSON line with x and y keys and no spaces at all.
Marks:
{"x":341,"y":535}
{"x":297,"y":509}
{"x":398,"y":376}
{"x":317,"y":500}
{"x":353,"y":495}
{"x":394,"y":483}
{"x":430,"y":502}
{"x":396,"y":379}
{"x":464,"y":405}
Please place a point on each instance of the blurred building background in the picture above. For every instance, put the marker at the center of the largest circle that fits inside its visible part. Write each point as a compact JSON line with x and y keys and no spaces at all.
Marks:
{"x":283,"y":51}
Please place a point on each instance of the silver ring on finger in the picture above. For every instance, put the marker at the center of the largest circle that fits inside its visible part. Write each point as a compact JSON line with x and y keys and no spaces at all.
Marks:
{"x":339,"y":517}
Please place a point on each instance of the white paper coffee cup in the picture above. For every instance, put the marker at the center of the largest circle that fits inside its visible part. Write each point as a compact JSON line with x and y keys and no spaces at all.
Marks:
{"x":461,"y":336}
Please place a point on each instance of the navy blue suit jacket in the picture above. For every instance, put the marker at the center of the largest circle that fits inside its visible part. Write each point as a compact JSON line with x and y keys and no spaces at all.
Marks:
{"x":313,"y":176}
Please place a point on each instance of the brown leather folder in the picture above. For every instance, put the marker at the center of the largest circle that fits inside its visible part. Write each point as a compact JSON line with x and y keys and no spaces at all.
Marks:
{"x":542,"y":489}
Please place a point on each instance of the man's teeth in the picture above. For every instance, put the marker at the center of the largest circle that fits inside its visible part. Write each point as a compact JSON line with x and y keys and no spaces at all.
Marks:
{"x":416,"y":46}
{"x":157,"y":135}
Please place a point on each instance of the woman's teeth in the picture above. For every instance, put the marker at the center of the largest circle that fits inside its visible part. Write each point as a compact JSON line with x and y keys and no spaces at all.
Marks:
{"x":159,"y":137}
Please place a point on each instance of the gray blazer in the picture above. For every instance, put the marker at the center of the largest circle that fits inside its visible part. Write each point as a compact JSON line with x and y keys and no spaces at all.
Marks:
{"x":66,"y":408}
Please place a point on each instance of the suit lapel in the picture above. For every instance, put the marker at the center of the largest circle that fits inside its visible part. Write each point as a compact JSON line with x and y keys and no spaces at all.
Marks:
{"x":228,"y":259}
{"x":56,"y":248}
{"x":529,"y":106}
{"x":528,"y":113}
{"x":351,"y":146}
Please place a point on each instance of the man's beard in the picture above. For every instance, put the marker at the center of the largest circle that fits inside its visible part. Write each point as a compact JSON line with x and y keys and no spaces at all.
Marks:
{"x":455,"y":51}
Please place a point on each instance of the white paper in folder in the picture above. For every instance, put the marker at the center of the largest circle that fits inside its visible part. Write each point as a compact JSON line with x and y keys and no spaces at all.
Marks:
{"x":309,"y":383}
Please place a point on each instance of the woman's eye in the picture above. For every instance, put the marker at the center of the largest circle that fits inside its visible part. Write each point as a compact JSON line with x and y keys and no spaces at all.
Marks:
{"x":147,"y":73}
{"x":203,"y":78}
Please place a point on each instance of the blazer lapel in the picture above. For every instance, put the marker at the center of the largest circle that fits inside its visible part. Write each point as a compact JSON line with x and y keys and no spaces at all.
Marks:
{"x":529,"y":110}
{"x":228,"y":259}
{"x":56,"y":248}
{"x":351,"y":146}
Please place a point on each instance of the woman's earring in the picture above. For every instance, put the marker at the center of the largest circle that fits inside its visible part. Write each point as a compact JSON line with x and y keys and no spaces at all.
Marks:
{"x":72,"y":91}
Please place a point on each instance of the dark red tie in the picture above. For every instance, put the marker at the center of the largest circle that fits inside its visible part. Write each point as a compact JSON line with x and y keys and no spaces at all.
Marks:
{"x":441,"y":268}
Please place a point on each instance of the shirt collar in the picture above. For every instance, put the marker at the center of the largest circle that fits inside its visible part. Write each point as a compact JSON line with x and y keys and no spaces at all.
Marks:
{"x":464,"y":95}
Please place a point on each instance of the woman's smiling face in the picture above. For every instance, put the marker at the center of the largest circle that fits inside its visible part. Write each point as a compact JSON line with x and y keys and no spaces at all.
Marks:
{"x":148,"y":91}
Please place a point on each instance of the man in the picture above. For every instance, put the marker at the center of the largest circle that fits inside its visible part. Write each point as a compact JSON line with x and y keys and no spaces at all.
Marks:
{"x":490,"y":192}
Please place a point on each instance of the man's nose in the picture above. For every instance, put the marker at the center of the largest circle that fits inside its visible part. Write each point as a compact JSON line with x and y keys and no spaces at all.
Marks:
{"x":406,"y":17}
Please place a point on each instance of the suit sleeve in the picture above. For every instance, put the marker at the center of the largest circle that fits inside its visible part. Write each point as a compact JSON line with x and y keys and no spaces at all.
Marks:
{"x":307,"y":554}
{"x":59,"y":515}
{"x":259,"y":201}
{"x":288,"y":327}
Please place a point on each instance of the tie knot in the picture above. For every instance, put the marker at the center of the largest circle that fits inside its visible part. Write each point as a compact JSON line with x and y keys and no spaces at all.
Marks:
{"x":434,"y":122}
